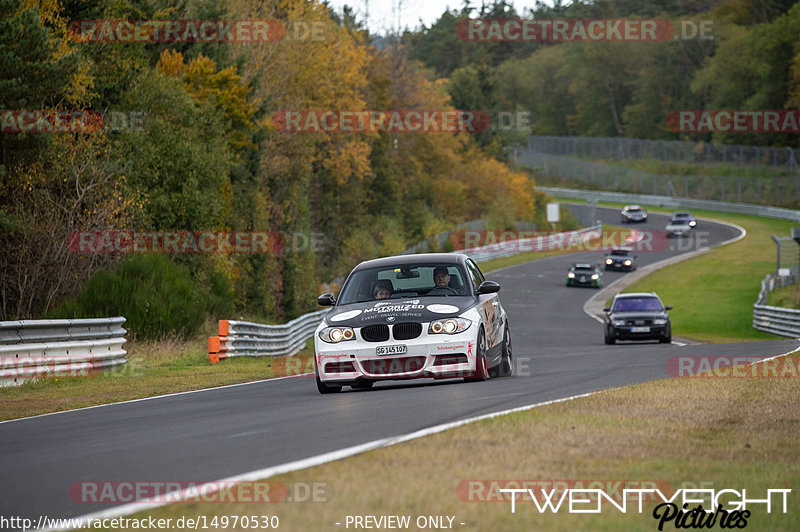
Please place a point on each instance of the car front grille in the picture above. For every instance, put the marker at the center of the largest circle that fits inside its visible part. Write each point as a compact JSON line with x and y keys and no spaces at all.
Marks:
{"x":638,"y":322}
{"x":392,"y":366}
{"x":375,"y":333}
{"x":406,"y":331}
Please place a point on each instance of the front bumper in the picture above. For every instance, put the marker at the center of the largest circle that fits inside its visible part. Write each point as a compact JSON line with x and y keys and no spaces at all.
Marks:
{"x":435,"y":356}
{"x":587,"y":282}
{"x":619,"y":266}
{"x":678,"y":233}
{"x":625,"y":333}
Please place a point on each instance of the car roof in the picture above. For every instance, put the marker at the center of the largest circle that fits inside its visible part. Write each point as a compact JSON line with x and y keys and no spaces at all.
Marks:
{"x":615,"y":250}
{"x":583,"y":265}
{"x":445,"y":258}
{"x":637,"y":294}
{"x":681,"y":213}
{"x":633,"y":207}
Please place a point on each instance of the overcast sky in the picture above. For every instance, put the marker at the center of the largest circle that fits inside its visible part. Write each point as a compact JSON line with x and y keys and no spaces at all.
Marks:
{"x":381,"y":17}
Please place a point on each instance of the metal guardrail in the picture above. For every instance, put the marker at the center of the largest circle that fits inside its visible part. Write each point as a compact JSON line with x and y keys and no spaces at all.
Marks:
{"x":775,"y":320}
{"x":244,"y":338}
{"x":31,"y":349}
{"x":675,"y":202}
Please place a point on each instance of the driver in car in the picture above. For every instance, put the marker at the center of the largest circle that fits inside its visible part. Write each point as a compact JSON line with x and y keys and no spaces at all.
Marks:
{"x":382,"y":289}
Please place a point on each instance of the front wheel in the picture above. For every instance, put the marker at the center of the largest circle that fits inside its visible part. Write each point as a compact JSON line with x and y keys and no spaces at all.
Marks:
{"x":481,"y":372}
{"x":610,"y":340}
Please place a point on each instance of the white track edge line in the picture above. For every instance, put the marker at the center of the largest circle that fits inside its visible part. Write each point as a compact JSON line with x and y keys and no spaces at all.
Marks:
{"x":162,"y":396}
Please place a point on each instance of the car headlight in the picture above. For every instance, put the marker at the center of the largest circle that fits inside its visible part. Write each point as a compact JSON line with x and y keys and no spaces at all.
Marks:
{"x":334,"y":335}
{"x":644,"y":215}
{"x":627,"y":215}
{"x":618,"y":323}
{"x":595,"y":276}
{"x":571,"y":275}
{"x":659,"y":321}
{"x":628,"y":262}
{"x":693,"y":223}
{"x":609,"y":261}
{"x":449,"y":326}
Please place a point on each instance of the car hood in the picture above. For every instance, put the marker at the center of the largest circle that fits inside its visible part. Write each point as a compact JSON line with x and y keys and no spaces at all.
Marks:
{"x":388,"y":311}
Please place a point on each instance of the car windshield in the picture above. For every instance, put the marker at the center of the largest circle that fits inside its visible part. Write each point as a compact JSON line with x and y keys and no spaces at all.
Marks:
{"x":681,"y":215}
{"x":630,"y":304}
{"x":621,"y":252}
{"x":634,"y":209}
{"x":584,"y":270}
{"x":404,"y":280}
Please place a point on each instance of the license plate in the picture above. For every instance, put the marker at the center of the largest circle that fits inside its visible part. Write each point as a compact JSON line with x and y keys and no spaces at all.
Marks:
{"x":582,"y":279}
{"x":391,"y":349}
{"x":640,"y":329}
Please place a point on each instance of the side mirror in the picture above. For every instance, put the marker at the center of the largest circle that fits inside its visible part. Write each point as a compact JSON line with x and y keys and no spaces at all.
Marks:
{"x":668,"y":307}
{"x":488,"y":287}
{"x":326,"y":300}
{"x":607,"y":309}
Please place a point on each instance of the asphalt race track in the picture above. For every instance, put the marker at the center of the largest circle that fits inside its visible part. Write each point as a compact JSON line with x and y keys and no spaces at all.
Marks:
{"x":217,"y":433}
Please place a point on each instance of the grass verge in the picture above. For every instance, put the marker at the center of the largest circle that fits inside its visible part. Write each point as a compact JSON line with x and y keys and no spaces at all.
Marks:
{"x":718,"y":433}
{"x":153,"y":368}
{"x":713,"y":294}
{"x":788,"y":297}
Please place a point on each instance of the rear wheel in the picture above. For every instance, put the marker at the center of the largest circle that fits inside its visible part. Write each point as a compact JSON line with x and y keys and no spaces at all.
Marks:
{"x":325,"y":388}
{"x":481,"y":372}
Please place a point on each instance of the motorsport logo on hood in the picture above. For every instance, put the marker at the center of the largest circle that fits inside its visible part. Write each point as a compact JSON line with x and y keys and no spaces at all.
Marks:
{"x":422,"y":309}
